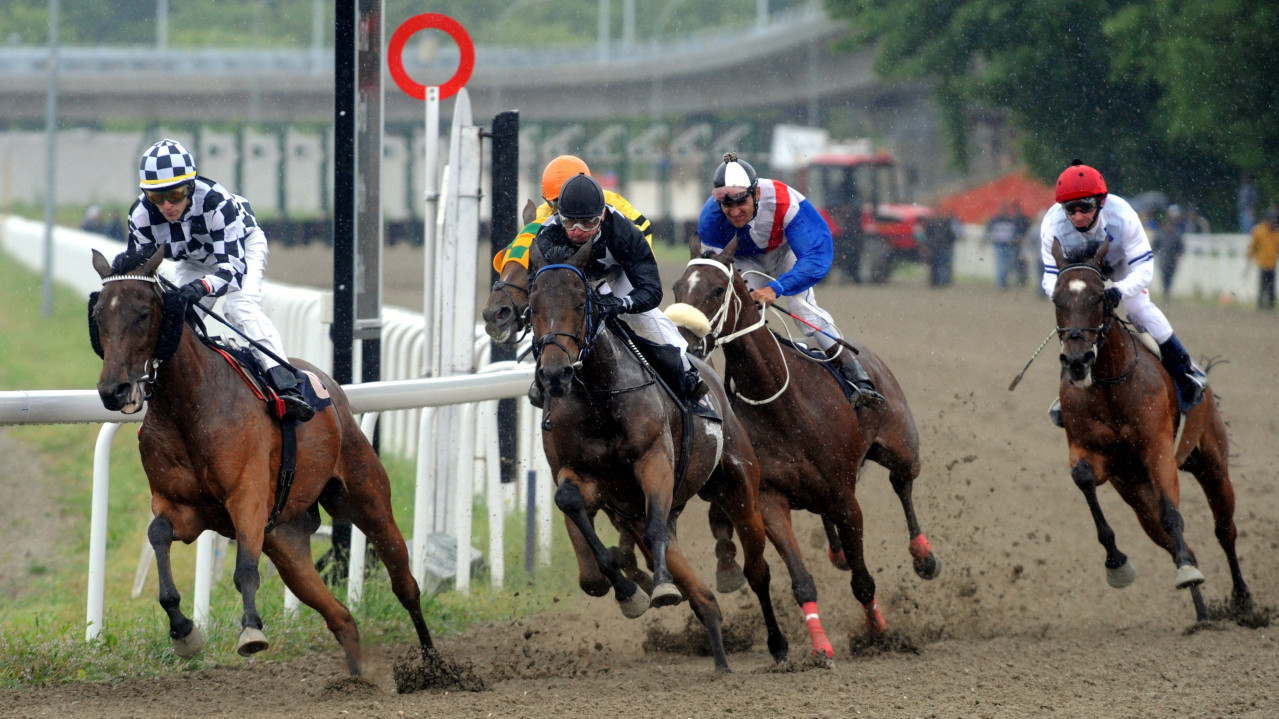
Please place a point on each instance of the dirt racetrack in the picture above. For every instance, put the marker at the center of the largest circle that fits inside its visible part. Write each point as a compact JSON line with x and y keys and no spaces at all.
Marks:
{"x":1020,"y":623}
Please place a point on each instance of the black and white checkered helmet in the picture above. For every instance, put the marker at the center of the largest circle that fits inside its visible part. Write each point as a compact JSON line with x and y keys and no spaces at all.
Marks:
{"x":165,"y":164}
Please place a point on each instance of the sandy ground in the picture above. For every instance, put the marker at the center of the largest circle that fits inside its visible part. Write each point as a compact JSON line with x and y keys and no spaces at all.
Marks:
{"x":1020,"y":622}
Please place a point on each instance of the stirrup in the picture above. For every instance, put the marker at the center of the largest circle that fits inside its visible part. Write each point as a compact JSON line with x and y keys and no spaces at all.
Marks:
{"x":295,"y":407}
{"x":864,"y":395}
{"x":1054,"y":412}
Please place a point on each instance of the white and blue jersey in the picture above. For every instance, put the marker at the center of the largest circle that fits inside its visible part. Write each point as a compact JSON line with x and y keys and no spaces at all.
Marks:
{"x":1130,"y":256}
{"x":784,"y":217}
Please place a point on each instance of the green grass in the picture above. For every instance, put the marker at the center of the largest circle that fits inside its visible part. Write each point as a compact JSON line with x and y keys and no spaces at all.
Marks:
{"x":42,"y":630}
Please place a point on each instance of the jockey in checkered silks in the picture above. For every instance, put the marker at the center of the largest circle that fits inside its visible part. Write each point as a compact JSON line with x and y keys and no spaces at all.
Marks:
{"x":220,"y":251}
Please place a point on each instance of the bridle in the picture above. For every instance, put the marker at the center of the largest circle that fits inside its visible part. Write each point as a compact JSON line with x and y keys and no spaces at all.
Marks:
{"x":584,"y":339}
{"x":1065,"y":334}
{"x":151,"y":367}
{"x":521,"y":319}
{"x":717,"y":321}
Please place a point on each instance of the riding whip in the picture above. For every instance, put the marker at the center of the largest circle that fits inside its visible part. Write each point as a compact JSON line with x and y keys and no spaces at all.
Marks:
{"x":1021,"y":374}
{"x":257,"y":345}
{"x":838,"y":340}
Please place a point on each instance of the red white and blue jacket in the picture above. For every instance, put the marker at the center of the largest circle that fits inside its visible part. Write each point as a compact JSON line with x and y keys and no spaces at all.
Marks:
{"x":783,"y":217}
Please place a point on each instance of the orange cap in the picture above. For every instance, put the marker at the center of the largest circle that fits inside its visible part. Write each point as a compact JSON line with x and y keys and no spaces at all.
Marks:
{"x":558,"y":171}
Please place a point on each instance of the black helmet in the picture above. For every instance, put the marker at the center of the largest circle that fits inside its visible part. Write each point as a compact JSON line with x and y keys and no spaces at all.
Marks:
{"x":581,"y":197}
{"x":733,"y":176}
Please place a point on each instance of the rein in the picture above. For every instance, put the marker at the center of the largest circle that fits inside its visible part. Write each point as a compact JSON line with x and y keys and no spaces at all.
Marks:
{"x":720,"y":318}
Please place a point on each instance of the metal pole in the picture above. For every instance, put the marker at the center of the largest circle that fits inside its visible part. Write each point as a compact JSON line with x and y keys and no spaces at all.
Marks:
{"x":503,"y":228}
{"x":162,"y":24}
{"x":51,"y":151}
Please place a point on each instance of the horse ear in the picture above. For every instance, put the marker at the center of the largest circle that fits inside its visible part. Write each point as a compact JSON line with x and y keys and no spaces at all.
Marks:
{"x":530,"y":212}
{"x":153,"y":264}
{"x":730,"y":251}
{"x":535,"y":261}
{"x":1058,"y":256}
{"x":582,"y":257}
{"x":1100,"y":255}
{"x":694,"y":246}
{"x":101,"y":265}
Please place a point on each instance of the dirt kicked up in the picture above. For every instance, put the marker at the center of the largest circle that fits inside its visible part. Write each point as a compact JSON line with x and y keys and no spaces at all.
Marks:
{"x":1020,"y":623}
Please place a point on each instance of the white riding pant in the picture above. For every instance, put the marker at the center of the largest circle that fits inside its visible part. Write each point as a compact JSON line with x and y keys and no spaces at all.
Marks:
{"x":802,"y":305}
{"x":243,"y":307}
{"x":1143,"y":314}
{"x":652,"y":325}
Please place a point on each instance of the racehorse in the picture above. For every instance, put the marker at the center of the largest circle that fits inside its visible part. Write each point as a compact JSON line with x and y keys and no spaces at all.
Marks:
{"x":505,"y":320}
{"x":810,"y":440}
{"x":212,"y":451}
{"x":1119,"y":410}
{"x":615,"y":439}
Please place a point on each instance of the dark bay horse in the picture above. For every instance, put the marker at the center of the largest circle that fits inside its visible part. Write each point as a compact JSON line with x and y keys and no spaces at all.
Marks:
{"x":810,"y":440}
{"x":615,"y":439}
{"x":1119,"y":409}
{"x":211,"y":452}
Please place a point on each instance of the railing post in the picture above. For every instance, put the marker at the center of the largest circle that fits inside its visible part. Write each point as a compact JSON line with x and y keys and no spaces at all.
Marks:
{"x":98,"y":531}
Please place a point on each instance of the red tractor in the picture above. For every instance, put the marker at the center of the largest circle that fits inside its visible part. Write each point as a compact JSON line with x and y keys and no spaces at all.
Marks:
{"x":858,"y":193}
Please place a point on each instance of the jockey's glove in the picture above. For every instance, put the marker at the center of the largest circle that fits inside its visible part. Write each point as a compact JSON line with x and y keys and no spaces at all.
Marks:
{"x":193,"y":292}
{"x":612,"y":305}
{"x":1113,"y":297}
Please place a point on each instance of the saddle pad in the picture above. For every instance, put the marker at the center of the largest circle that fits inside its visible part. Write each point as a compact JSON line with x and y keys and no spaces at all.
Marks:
{"x":823,"y":360}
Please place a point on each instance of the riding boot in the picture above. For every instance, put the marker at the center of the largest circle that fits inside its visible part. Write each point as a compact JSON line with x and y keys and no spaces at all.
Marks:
{"x":535,"y":396}
{"x":865,"y":394}
{"x":1189,"y":380}
{"x":286,"y":386}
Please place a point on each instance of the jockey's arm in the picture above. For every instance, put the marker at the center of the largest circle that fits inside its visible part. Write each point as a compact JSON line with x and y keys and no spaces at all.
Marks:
{"x":1049,"y":280}
{"x":809,"y":238}
{"x":1141,"y":261}
{"x":636,"y":257}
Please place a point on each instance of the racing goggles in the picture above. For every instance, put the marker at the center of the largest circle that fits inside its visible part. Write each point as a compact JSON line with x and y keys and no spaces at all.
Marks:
{"x":589,"y":224}
{"x":1084,"y":205}
{"x":731,"y":196}
{"x":174,"y":195}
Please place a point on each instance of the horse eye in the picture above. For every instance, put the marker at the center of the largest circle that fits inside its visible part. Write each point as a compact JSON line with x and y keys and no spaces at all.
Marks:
{"x":719,"y":292}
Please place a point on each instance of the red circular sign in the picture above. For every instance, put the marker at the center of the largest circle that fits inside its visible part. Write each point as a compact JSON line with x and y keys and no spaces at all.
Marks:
{"x":434,"y":21}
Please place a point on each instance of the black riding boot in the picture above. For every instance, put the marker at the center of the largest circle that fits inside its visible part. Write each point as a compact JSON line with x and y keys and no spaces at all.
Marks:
{"x":535,"y":396}
{"x":865,"y":394}
{"x":1189,"y":380}
{"x":286,"y":385}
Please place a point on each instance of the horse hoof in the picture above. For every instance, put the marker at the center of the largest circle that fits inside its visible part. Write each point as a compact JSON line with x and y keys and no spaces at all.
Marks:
{"x":252,"y":641}
{"x":838,"y":559}
{"x":928,"y":568}
{"x":729,"y":580}
{"x":666,"y":595}
{"x":190,"y":645}
{"x":1121,"y":577}
{"x":1188,"y":575}
{"x":634,"y":607}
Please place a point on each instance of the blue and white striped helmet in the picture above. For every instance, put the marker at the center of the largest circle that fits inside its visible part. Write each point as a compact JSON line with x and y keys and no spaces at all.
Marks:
{"x":165,"y":164}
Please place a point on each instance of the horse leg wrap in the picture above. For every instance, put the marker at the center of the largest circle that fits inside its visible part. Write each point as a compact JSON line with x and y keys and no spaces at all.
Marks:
{"x":821,"y":645}
{"x":920,"y":548}
{"x":875,"y":623}
{"x":837,"y":558}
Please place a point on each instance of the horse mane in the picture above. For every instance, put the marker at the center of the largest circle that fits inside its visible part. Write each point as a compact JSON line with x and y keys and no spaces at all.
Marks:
{"x":128,"y":261}
{"x":1083,"y":253}
{"x":559,"y":254}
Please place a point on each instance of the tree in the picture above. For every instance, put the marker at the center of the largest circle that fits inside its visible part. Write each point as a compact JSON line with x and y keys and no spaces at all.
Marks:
{"x":1148,"y":91}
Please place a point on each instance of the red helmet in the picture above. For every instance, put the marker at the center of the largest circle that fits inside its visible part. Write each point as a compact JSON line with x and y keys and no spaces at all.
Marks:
{"x":1079,"y":180}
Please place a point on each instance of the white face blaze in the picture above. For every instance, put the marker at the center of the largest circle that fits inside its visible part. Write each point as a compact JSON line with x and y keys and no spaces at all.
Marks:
{"x":1077,"y":286}
{"x":693,"y":280}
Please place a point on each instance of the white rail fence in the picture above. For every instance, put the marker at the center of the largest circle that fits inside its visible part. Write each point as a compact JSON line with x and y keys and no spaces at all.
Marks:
{"x":404,"y":403}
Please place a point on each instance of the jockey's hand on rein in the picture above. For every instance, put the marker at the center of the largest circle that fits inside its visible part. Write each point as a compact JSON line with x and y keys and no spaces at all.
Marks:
{"x":1113,"y":297}
{"x":612,"y":305}
{"x":193,"y":292}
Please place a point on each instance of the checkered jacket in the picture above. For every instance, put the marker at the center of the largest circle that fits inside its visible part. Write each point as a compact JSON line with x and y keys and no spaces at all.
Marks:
{"x":210,"y":233}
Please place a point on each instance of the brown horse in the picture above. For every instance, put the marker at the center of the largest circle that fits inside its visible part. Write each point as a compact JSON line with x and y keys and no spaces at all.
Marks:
{"x":1119,"y":409}
{"x":810,"y":440}
{"x":615,"y":439}
{"x":211,"y":452}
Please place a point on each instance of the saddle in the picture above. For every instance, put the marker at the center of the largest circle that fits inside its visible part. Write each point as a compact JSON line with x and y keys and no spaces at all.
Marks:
{"x":245,"y":363}
{"x":821,"y":358}
{"x":667,"y":367}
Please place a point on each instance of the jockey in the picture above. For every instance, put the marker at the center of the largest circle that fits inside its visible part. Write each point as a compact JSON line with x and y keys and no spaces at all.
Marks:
{"x":624,"y":274}
{"x":219,"y":248}
{"x":1086,"y":214}
{"x":780,"y":233}
{"x":556,"y":172}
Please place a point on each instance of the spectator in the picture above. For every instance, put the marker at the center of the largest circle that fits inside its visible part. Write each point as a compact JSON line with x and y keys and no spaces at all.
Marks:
{"x":1264,"y":250}
{"x":94,"y":222}
{"x":1196,"y":224}
{"x":1020,"y":264}
{"x":1169,"y":245}
{"x":940,"y":234}
{"x":1002,"y":234}
{"x":1247,"y":203}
